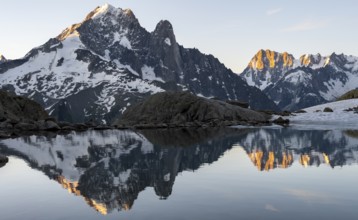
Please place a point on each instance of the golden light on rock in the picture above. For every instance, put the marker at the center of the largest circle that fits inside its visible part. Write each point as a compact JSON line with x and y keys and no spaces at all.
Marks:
{"x":256,"y":158}
{"x":287,"y":59}
{"x":305,"y":60}
{"x":305,"y":160}
{"x":72,"y":188}
{"x":326,"y":158}
{"x":126,"y":207}
{"x":269,"y":161}
{"x":99,"y":207}
{"x":287,"y":160}
{"x":271,"y":59}
{"x":258,"y":60}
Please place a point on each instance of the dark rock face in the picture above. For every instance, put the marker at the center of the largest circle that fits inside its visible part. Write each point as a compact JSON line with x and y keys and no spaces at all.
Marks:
{"x":299,"y":83}
{"x":96,"y":69}
{"x":298,"y":89}
{"x":281,"y":121}
{"x":15,"y":108}
{"x":3,"y":159}
{"x":327,"y":109}
{"x":186,"y":109}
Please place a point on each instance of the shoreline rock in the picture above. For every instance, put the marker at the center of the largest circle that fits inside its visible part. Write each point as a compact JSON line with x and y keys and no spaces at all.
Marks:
{"x":3,"y":160}
{"x":281,"y":121}
{"x":183,"y":109}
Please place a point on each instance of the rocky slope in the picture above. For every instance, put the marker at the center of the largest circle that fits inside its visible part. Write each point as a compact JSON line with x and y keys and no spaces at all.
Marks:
{"x":18,"y":108}
{"x":19,"y":114}
{"x":299,"y":83}
{"x":185,"y":109}
{"x":353,"y":94}
{"x":96,"y":69}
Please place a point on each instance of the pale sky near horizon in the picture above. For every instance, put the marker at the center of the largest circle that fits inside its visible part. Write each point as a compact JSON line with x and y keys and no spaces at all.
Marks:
{"x":231,"y":30}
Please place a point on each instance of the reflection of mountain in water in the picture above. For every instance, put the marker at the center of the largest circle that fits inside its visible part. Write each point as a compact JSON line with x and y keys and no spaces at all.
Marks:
{"x":278,"y":148}
{"x":110,"y":168}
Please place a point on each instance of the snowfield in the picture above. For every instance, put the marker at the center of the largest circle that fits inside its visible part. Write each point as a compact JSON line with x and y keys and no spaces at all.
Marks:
{"x":339,"y":118}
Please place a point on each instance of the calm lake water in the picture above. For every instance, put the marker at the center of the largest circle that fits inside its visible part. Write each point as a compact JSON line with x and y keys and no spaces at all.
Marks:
{"x":247,"y":173}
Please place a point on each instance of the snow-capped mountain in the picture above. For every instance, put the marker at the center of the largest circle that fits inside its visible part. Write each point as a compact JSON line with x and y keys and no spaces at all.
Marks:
{"x":267,"y":67}
{"x":299,"y":83}
{"x":2,"y":59}
{"x":97,"y":68}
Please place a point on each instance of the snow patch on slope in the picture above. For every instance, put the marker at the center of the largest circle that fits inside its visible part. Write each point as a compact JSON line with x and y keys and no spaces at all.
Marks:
{"x":149,"y":74}
{"x":167,"y":41}
{"x":72,"y":76}
{"x":338,"y":118}
{"x":298,"y":77}
{"x":336,"y":88}
{"x":122,"y":39}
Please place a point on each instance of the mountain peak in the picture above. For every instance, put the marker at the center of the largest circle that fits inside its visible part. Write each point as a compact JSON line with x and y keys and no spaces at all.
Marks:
{"x":164,"y":25}
{"x":164,"y":29}
{"x":268,"y":59}
{"x":102,"y":15}
{"x":314,"y":61}
{"x":102,"y":10}
{"x":2,"y":58}
{"x":106,"y":10}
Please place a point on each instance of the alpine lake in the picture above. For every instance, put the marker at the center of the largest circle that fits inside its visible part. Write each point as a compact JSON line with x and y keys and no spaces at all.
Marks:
{"x":228,"y":173}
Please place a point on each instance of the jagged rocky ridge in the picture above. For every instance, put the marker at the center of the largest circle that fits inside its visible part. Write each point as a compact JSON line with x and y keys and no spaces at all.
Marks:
{"x":299,"y":83}
{"x":96,"y":69}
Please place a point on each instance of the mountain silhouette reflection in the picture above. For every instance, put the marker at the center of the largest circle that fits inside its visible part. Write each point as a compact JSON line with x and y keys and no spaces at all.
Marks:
{"x":110,"y":168}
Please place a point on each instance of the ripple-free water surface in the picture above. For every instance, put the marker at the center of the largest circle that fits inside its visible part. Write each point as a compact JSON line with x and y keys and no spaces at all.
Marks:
{"x":182,"y":174}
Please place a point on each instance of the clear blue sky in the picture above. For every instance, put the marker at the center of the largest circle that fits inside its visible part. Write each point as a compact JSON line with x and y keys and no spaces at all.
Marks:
{"x":232,"y":30}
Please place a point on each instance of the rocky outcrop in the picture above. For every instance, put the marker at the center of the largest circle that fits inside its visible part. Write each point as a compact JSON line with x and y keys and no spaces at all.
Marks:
{"x":16,"y":108}
{"x":327,"y":109}
{"x":176,"y":109}
{"x":3,"y":160}
{"x":22,"y":116}
{"x":353,"y":94}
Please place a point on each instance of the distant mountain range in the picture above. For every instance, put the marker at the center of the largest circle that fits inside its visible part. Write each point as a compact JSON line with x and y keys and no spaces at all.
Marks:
{"x":96,"y":69}
{"x":299,"y":83}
